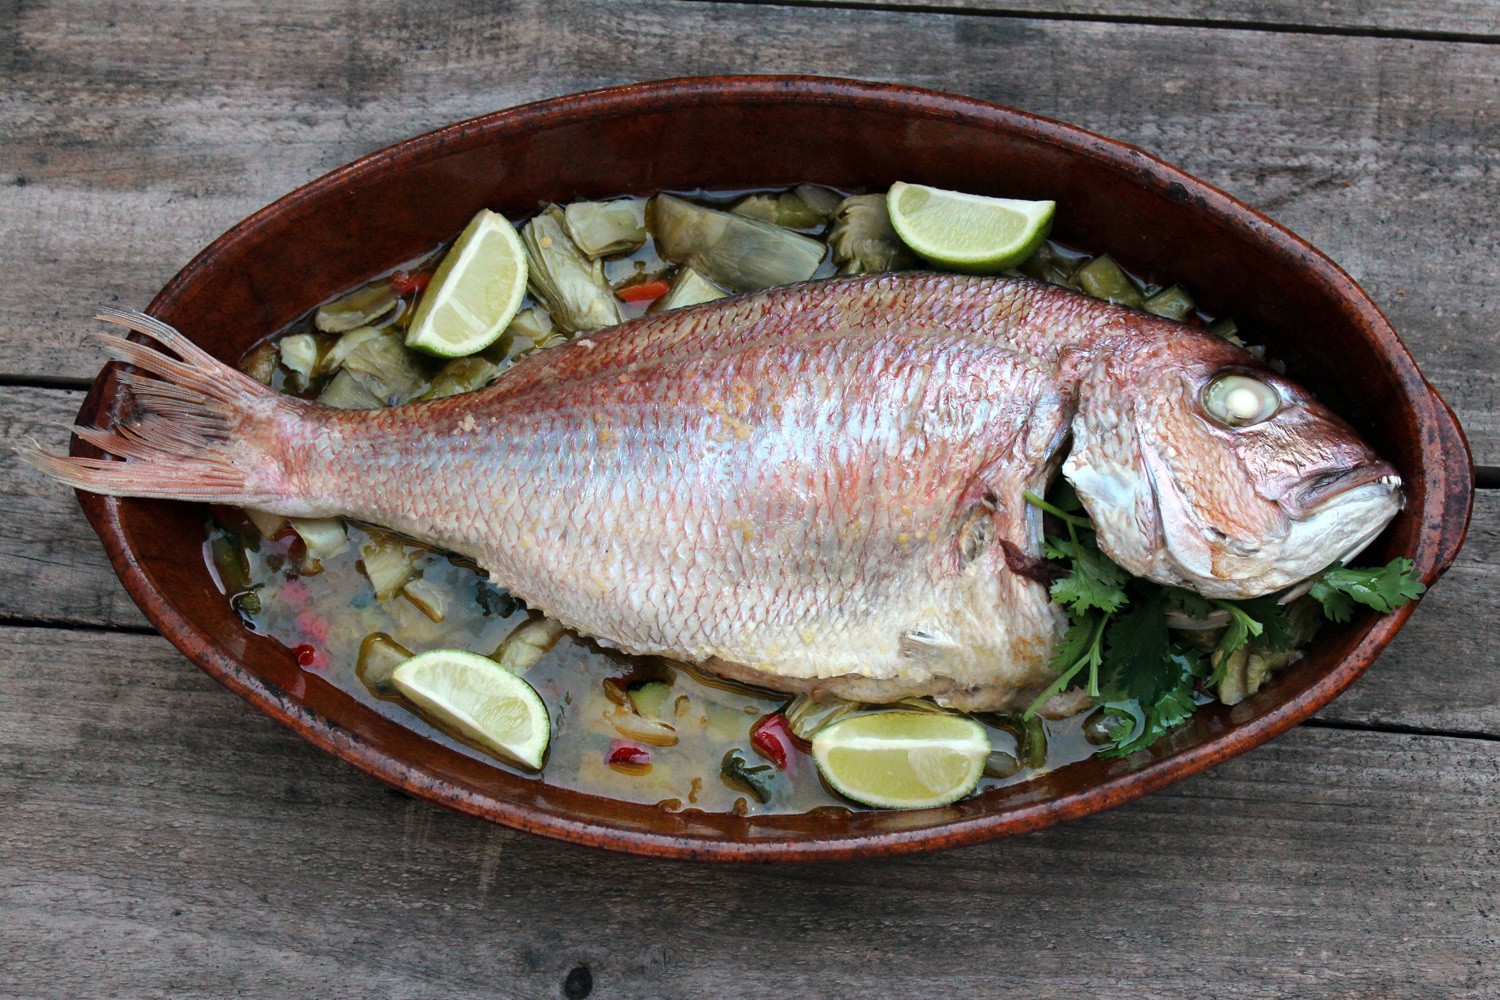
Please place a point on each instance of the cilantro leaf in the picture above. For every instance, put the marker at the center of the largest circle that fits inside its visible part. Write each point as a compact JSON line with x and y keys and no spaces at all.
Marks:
{"x":1093,"y":580}
{"x":1277,"y":634}
{"x":1337,"y":605}
{"x":1081,"y":647}
{"x":1383,"y":588}
{"x":1191,"y":604}
{"x":1137,"y":664}
{"x":1170,"y":710}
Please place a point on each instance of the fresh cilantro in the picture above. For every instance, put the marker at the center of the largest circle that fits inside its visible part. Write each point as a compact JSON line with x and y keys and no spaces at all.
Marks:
{"x":1276,"y":633}
{"x":1138,"y":652}
{"x":1193,"y":605}
{"x":1166,"y":713}
{"x":1093,"y":581}
{"x":1118,"y":632}
{"x":1080,"y":647}
{"x":1383,"y":588}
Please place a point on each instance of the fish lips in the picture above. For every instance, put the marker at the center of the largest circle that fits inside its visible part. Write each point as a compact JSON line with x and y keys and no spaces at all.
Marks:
{"x":1311,"y":494}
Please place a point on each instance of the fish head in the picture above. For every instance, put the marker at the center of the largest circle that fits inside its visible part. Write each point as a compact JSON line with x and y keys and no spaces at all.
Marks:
{"x":1202,"y":468}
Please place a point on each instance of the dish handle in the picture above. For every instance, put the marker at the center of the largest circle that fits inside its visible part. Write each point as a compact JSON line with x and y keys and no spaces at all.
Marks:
{"x":1452,"y":486}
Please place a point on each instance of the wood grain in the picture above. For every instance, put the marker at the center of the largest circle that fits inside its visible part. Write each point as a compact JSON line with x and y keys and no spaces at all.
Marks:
{"x":159,"y":838}
{"x":134,"y":139}
{"x":54,"y":567}
{"x":1467,"y":19}
{"x":190,"y":848}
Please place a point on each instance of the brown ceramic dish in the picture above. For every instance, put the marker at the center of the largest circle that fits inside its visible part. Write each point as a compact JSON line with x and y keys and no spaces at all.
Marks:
{"x":737,"y":132}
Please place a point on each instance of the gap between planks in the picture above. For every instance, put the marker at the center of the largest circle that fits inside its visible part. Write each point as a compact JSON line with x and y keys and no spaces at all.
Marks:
{"x":1147,"y":20}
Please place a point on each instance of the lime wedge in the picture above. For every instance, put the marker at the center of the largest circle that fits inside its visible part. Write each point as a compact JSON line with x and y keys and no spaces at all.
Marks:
{"x":967,"y":232}
{"x":902,"y":760}
{"x":479,"y":700}
{"x":475,"y":293}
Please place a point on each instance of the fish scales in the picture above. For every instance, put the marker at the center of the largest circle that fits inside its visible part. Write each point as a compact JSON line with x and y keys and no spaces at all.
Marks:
{"x":726,"y":487}
{"x":806,"y":487}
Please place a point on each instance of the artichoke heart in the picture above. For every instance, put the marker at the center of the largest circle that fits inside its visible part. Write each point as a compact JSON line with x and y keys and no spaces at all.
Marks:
{"x":603,"y":228}
{"x":741,"y":254}
{"x":567,"y":282}
{"x":863,"y":239}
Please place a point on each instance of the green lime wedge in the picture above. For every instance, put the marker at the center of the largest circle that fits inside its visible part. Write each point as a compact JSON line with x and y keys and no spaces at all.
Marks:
{"x":475,"y":293}
{"x":967,"y":232}
{"x":478,"y":699}
{"x":902,"y":760}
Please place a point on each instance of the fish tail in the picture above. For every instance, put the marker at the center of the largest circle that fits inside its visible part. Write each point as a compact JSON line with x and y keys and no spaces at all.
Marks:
{"x":196,"y":431}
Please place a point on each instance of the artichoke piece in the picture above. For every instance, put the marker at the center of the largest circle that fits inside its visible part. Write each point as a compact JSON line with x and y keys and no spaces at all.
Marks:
{"x":763,"y":207}
{"x":361,"y":307}
{"x":806,"y":207}
{"x":300,"y":353}
{"x":386,"y":564}
{"x":461,"y":375}
{"x":345,"y":392}
{"x":689,"y":288}
{"x":260,"y":364}
{"x":1172,"y":303}
{"x":322,"y":537}
{"x":531,"y":329}
{"x":333,"y":360}
{"x":820,"y":199}
{"x":534,"y":324}
{"x":1228,"y":329}
{"x":269,"y":525}
{"x":806,"y":715}
{"x":1055,"y":268}
{"x":863,"y":239}
{"x":379,"y":656}
{"x":432,"y":600}
{"x":603,"y":228}
{"x":1104,"y":279}
{"x":571,"y":286}
{"x":528,"y":643}
{"x":379,"y":371}
{"x":740,"y":254}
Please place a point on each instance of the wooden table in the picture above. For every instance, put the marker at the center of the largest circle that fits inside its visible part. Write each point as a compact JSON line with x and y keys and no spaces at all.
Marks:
{"x":160,"y":838}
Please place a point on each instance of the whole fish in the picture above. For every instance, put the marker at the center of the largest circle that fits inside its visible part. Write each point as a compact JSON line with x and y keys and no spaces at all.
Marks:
{"x":817,"y":487}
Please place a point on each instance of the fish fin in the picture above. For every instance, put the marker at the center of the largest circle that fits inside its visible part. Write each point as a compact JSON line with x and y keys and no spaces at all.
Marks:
{"x":925,"y":641}
{"x":187,"y":434}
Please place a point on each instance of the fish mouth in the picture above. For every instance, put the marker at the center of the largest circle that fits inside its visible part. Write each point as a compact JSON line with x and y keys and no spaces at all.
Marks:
{"x":1317,"y":490}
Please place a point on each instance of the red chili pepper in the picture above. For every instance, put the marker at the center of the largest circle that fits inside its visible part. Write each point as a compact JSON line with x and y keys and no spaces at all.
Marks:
{"x":646,"y":291}
{"x":771,"y":737}
{"x":626,"y":755}
{"x":404,"y":282}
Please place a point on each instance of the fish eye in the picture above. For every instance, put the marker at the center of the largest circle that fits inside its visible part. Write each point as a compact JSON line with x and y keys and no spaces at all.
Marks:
{"x":1239,"y":400}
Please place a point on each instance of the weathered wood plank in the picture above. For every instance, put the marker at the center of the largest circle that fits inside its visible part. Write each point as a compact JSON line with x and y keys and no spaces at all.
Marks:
{"x":54,"y":567}
{"x":161,"y":839}
{"x":1469,"y":19}
{"x":136,"y":134}
{"x":1442,"y":672}
{"x":56,"y":571}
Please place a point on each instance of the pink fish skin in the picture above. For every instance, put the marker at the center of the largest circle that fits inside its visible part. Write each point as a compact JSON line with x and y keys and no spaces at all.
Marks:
{"x":812,"y":488}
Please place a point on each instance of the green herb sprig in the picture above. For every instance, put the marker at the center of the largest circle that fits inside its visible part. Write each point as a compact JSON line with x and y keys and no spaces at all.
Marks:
{"x":1119,"y":649}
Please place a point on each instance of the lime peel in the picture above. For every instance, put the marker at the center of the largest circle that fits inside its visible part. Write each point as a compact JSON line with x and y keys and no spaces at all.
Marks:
{"x":902,"y":760}
{"x":475,"y":293}
{"x":478,"y":699}
{"x":968,"y":232}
